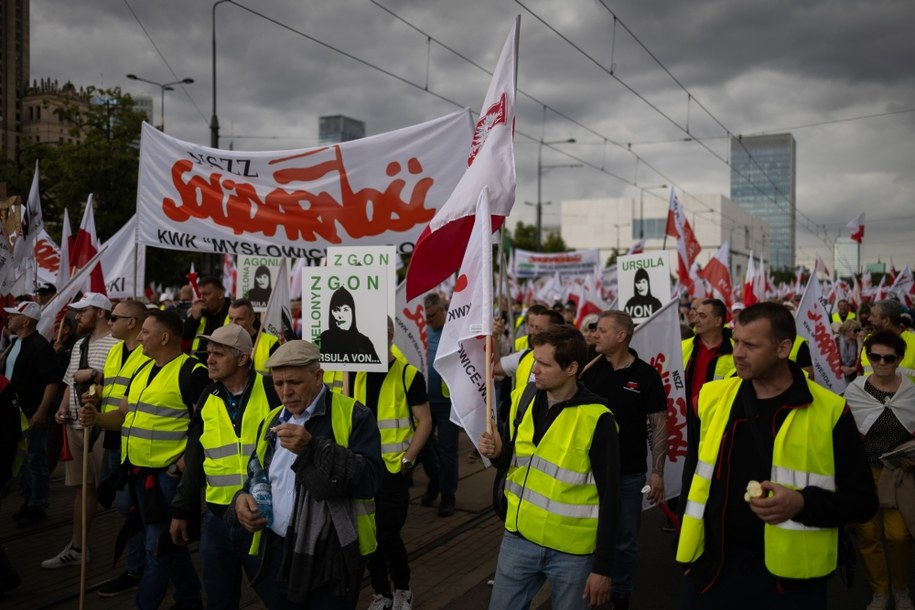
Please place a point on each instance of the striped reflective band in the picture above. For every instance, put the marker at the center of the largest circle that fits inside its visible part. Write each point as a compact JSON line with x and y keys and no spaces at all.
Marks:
{"x":553,"y":471}
{"x":395,"y":447}
{"x":225,"y":480}
{"x":694,"y":509}
{"x":116,"y":379}
{"x":574,"y":511}
{"x":799,"y":479}
{"x":157,"y":435}
{"x":705,"y":470}
{"x":394,"y":423}
{"x":220,"y":452}
{"x":905,"y":370}
{"x":158,"y":411}
{"x":364,"y":508}
{"x":110,"y":401}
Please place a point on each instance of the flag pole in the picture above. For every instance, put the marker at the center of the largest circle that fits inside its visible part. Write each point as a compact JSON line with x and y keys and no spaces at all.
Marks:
{"x":87,"y":438}
{"x":488,"y":352}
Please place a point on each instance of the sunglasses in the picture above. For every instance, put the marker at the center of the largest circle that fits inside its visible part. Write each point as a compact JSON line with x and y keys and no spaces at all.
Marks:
{"x":115,"y":318}
{"x":888,"y":358}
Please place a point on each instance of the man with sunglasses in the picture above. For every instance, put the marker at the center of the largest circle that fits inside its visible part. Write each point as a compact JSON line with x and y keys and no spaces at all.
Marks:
{"x":124,"y":359}
{"x":887,"y":315}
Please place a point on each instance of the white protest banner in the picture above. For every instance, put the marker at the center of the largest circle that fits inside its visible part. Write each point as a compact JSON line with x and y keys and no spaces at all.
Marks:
{"x":644,"y":283}
{"x":381,"y":256}
{"x":124,"y":275}
{"x":340,"y":315}
{"x":812,"y":321}
{"x":461,"y":355}
{"x":410,"y":334}
{"x":657,"y":342}
{"x":47,"y":254}
{"x":256,"y":278}
{"x":383,"y":189}
{"x":575,"y":262}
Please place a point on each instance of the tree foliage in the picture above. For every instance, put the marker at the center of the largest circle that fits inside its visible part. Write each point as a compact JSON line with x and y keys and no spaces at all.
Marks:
{"x":524,"y":237}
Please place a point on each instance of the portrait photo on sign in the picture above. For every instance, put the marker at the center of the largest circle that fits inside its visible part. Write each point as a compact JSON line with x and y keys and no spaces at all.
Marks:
{"x":345,"y":315}
{"x":256,"y":277}
{"x":644,"y":283}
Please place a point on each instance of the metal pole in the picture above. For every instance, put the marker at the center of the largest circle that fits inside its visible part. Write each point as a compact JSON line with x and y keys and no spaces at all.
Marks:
{"x":539,"y":204}
{"x":162,"y":109}
{"x":214,"y":121}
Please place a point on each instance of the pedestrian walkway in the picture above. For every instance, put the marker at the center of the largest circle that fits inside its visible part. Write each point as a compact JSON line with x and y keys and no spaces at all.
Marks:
{"x":451,"y":558}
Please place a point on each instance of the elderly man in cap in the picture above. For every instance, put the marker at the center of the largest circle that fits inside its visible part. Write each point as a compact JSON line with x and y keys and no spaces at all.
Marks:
{"x":321,"y":452}
{"x":32,"y":369}
{"x":221,"y":438}
{"x":86,"y":368}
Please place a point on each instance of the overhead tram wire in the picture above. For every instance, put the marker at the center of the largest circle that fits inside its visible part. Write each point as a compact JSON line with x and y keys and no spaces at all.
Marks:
{"x":165,"y":61}
{"x":816,"y":227}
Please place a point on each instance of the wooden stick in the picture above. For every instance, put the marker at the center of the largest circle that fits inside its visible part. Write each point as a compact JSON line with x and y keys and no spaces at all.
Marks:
{"x":87,"y":438}
{"x":590,"y":364}
{"x":489,"y":384}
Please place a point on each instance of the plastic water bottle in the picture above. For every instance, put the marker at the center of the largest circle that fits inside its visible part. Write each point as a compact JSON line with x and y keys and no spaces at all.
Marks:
{"x":260,"y":490}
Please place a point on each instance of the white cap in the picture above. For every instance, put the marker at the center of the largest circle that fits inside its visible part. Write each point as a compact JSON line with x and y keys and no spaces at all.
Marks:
{"x":29,"y":309}
{"x":92,"y":299}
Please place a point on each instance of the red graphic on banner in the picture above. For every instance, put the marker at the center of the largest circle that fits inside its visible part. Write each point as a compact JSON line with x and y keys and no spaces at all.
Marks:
{"x":47,"y":255}
{"x":418,"y":317}
{"x":489,"y":119}
{"x":825,"y":344}
{"x":676,"y":411}
{"x":303,"y":214}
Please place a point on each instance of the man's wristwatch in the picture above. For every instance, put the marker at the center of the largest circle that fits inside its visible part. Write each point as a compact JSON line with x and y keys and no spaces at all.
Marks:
{"x":406,"y":464}
{"x":173,"y":469}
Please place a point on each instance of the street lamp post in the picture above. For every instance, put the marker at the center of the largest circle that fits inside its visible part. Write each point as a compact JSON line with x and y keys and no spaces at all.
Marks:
{"x":214,"y":121}
{"x":642,"y":190}
{"x":539,"y":182}
{"x":163,"y":87}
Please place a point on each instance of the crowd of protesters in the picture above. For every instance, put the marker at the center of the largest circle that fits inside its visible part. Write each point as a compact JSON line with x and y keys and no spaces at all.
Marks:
{"x":296,"y":480}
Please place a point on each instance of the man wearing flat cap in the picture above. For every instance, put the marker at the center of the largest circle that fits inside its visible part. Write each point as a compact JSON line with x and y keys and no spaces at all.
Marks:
{"x":322,"y":454}
{"x":221,"y":438}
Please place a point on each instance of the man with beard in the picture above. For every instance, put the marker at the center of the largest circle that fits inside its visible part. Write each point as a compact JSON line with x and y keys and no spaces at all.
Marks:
{"x":87,"y":368}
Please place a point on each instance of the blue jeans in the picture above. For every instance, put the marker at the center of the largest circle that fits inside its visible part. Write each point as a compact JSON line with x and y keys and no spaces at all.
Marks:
{"x":524,"y":566}
{"x":35,"y":478}
{"x":135,"y":555}
{"x":173,"y":564}
{"x":443,"y":453}
{"x":627,"y":533}
{"x":224,"y":553}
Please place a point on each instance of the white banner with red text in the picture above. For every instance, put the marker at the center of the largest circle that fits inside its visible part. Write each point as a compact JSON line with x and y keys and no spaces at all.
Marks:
{"x":379,"y":190}
{"x":536,"y":264}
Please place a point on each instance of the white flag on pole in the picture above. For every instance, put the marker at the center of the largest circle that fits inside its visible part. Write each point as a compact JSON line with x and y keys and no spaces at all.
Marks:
{"x":812,"y":321}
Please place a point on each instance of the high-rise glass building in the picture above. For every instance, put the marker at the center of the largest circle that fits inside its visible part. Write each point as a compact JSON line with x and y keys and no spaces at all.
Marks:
{"x":763,"y":177}
{"x":339,"y":128}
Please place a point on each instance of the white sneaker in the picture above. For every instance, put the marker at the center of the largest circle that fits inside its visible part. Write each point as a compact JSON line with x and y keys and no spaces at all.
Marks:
{"x":67,"y":557}
{"x":381,"y":602}
{"x":903,"y":601}
{"x":403,"y":599}
{"x":879,"y":602}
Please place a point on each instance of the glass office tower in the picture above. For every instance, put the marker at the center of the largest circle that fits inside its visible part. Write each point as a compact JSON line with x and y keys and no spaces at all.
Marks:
{"x":763,"y":177}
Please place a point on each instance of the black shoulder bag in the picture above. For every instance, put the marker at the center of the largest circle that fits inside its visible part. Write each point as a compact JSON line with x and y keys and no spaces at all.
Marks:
{"x":499,"y":501}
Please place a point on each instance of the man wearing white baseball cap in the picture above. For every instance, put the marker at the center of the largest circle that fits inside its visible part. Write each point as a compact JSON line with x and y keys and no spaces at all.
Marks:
{"x":87,"y":365}
{"x":31,"y":367}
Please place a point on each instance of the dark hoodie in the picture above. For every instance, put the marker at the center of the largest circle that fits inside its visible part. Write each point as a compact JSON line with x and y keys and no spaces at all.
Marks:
{"x":604,"y":455}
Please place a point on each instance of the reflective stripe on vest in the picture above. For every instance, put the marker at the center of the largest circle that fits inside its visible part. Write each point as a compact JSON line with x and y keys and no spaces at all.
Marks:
{"x":395,"y":422}
{"x":334,"y":380}
{"x":550,"y":489}
{"x":117,"y":376}
{"x":154,"y":434}
{"x":802,"y":455}
{"x":226,"y":454}
{"x":341,"y":419}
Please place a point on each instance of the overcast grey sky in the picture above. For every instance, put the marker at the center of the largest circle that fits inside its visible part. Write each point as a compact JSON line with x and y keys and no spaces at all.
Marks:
{"x":758,"y":67}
